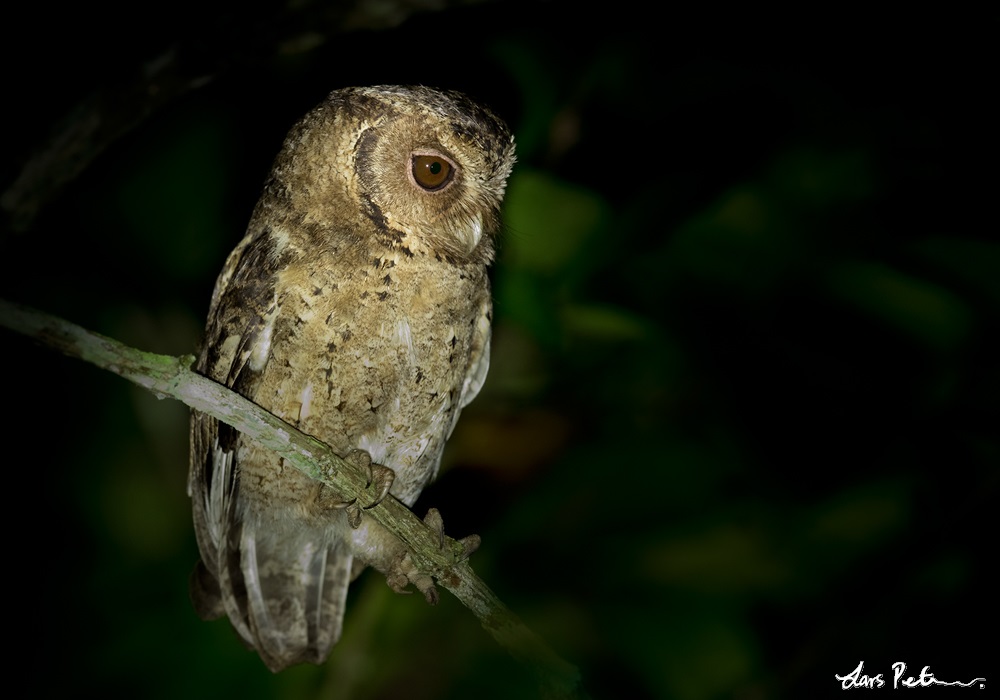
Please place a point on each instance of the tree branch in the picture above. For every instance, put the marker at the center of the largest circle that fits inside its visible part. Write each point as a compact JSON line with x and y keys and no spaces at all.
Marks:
{"x":165,"y":375}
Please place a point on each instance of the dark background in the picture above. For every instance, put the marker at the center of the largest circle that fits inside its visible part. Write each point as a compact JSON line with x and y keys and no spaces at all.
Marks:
{"x":740,"y":431}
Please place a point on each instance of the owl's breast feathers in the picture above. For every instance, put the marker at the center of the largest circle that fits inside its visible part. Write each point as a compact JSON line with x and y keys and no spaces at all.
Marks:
{"x":376,"y":352}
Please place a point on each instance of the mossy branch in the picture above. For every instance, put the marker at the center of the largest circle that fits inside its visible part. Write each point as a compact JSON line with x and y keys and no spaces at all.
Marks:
{"x":165,"y":376}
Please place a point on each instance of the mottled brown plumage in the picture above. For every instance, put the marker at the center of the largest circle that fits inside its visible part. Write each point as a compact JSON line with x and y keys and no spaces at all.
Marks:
{"x":356,"y":307}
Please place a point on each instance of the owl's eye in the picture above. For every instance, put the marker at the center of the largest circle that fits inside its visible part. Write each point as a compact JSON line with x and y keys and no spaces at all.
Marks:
{"x":431,"y":171}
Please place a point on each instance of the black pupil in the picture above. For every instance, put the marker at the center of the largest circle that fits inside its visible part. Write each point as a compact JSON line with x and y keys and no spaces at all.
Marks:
{"x":434,"y":167}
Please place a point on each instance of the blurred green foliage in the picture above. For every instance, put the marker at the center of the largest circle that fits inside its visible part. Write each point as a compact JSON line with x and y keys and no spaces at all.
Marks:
{"x":740,"y":430}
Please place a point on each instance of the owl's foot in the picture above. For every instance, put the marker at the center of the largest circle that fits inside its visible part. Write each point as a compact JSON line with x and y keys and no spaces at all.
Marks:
{"x":435,"y":522}
{"x":382,"y":478}
{"x":403,"y":572}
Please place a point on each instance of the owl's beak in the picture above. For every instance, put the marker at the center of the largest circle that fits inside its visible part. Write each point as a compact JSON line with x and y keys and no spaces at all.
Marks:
{"x":470,"y":236}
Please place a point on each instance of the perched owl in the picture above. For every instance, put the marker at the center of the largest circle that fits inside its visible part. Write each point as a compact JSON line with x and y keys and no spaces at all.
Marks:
{"x":357,"y":307}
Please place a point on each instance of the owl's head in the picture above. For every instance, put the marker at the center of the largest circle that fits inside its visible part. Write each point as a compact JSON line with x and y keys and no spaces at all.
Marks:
{"x":421,"y":169}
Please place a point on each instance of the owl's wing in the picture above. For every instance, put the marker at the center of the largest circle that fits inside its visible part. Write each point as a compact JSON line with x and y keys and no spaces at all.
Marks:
{"x":282,"y":585}
{"x":479,"y":359}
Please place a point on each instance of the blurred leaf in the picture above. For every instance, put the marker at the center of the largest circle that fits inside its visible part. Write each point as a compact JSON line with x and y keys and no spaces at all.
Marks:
{"x":928,"y":312}
{"x":603,"y":322}
{"x":550,"y":221}
{"x":728,"y":557}
{"x":975,"y":262}
{"x":731,"y":243}
{"x":685,"y":648}
{"x":819,"y":179}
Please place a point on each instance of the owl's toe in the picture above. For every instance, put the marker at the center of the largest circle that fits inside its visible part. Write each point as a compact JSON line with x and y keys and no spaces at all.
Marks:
{"x":376,"y":475}
{"x":435,"y":522}
{"x":381,"y":478}
{"x":469,"y":545}
{"x":360,"y":459}
{"x":403,"y":572}
{"x":327,"y":499}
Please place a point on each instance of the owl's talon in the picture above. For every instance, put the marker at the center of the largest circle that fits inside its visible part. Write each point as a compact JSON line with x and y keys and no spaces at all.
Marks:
{"x":382,"y":477}
{"x":354,"y":515}
{"x":360,"y":459}
{"x":428,"y":589}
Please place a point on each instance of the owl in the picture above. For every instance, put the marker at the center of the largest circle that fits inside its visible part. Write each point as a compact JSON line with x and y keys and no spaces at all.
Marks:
{"x":357,"y":308}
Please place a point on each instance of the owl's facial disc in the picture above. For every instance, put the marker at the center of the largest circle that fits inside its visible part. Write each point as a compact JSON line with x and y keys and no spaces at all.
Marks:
{"x":431,"y":171}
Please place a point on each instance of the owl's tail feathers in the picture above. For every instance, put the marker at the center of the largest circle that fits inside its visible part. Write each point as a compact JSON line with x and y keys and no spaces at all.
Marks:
{"x":205,"y":593}
{"x":296,"y":592}
{"x":283,"y":592}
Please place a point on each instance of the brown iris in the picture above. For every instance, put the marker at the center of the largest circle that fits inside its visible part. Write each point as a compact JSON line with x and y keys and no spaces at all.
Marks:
{"x":431,"y":172}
